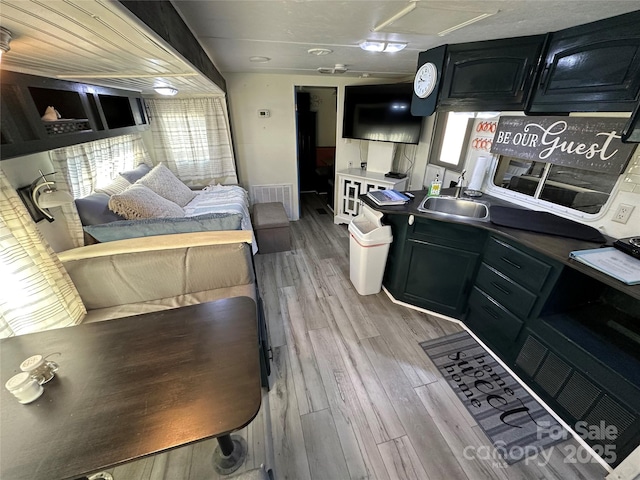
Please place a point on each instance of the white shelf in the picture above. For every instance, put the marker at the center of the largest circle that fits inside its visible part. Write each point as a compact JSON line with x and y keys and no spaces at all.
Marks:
{"x":355,"y":182}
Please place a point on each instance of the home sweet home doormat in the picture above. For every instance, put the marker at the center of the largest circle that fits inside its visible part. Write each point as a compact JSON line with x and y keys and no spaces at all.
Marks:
{"x":516,"y":424}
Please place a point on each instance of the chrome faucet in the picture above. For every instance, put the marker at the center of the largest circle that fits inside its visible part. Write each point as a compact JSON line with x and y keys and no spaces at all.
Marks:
{"x":460,"y":184}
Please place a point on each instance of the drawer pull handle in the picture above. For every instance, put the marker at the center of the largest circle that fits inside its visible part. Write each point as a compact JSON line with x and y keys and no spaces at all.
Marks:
{"x":490,"y":311}
{"x":509,"y":262}
{"x":501,"y":288}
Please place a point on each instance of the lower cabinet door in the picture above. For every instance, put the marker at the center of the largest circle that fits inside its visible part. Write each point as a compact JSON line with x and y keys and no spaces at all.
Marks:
{"x":438,"y":277}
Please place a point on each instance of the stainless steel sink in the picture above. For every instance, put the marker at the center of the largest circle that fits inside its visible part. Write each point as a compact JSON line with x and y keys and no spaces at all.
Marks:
{"x":458,"y":207}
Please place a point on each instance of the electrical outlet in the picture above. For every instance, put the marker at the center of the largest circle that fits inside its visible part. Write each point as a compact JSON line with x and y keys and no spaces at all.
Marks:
{"x":623,"y":213}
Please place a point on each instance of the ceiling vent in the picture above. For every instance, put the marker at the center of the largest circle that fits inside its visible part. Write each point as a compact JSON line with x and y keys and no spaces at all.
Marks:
{"x":336,"y":69}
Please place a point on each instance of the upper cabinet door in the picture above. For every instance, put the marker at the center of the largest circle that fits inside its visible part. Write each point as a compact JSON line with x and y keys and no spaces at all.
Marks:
{"x":591,"y":68}
{"x":489,"y":76}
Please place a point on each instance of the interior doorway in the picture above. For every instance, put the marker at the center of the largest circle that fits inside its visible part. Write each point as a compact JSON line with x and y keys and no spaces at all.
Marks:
{"x":316,"y":112}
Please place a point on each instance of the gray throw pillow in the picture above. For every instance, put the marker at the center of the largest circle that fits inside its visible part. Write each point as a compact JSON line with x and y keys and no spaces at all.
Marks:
{"x":138,"y":202}
{"x":164,"y":226}
{"x":137,"y":173}
{"x":94,"y":210}
{"x":162,"y":181}
{"x":117,"y":185}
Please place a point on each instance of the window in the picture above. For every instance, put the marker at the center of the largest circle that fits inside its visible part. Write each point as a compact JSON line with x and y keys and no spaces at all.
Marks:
{"x":575,"y":188}
{"x":87,"y":166}
{"x":450,"y":140}
{"x":191,"y":136}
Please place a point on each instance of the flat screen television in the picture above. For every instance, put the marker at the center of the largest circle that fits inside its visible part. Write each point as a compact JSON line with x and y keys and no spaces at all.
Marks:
{"x":380,"y":112}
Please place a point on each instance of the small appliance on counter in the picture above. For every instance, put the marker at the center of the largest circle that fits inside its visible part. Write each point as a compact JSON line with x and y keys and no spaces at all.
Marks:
{"x":629,"y":245}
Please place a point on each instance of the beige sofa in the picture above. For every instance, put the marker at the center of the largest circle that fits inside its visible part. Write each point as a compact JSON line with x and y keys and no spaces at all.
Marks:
{"x":128,"y":277}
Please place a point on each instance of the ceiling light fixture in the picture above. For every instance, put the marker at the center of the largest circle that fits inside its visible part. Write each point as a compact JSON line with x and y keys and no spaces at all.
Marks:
{"x":319,"y":52}
{"x":5,"y":40}
{"x":169,"y":91}
{"x":382,"y":46}
{"x":258,"y":59}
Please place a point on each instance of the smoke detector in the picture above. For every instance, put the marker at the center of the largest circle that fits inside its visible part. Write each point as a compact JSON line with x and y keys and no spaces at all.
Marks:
{"x":336,"y":69}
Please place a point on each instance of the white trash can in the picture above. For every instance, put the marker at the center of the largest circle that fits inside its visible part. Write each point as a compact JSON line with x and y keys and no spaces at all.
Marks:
{"x":368,"y":248}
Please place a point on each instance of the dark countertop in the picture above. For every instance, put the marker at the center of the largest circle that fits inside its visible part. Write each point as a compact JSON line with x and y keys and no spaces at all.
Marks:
{"x":555,"y":247}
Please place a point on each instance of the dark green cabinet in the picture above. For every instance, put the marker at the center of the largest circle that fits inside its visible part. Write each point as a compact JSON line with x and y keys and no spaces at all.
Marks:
{"x":432,"y":264}
{"x":591,"y":68}
{"x":568,"y":336}
{"x":512,"y":285}
{"x":491,"y":321}
{"x":494,"y":75}
{"x":439,"y":277}
{"x":395,"y":270}
{"x":581,"y":388}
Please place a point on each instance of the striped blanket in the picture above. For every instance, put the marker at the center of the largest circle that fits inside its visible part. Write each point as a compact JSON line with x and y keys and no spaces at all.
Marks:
{"x":222,"y":199}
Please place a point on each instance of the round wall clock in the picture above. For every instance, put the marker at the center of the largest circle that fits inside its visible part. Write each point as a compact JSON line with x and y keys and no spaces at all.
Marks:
{"x":425,"y":80}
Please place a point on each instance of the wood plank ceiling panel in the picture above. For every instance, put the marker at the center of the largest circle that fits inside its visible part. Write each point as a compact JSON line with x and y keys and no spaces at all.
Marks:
{"x":95,"y":42}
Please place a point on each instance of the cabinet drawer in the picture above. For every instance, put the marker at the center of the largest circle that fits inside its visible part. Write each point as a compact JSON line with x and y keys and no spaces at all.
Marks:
{"x":519,"y":266}
{"x":515,"y":298}
{"x":491,"y":319}
{"x":445,"y":233}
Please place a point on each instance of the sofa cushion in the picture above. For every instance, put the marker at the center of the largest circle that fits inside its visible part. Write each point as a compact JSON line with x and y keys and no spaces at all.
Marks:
{"x":94,"y":209}
{"x":107,"y":281}
{"x":139,"y":201}
{"x":162,"y":181}
{"x":117,"y":185}
{"x":164,"y":226}
{"x":131,"y":309}
{"x":132,"y":176}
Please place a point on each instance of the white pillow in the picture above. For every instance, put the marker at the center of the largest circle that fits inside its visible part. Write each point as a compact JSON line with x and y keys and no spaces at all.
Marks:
{"x":138,"y":201}
{"x":117,"y":185}
{"x":162,"y":181}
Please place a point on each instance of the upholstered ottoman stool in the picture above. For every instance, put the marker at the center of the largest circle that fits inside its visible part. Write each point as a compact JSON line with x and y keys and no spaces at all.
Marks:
{"x":271,"y":225}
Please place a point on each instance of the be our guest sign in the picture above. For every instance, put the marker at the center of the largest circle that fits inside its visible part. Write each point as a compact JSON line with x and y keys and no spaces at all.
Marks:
{"x":588,"y":143}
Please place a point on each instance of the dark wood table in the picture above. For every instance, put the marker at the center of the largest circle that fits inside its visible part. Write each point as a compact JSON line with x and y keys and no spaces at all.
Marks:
{"x":131,"y":387}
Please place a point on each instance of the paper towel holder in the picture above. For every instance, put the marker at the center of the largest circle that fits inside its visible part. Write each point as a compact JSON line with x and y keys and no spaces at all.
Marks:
{"x":477,"y":178}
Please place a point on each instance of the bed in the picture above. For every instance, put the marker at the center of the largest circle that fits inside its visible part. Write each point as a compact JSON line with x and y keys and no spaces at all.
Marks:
{"x":164,"y":210}
{"x":222,"y":199}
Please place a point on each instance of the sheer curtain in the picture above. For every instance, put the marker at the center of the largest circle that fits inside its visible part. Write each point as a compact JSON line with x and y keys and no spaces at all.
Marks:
{"x":81,"y":168}
{"x":191,"y":136}
{"x":37,"y":293}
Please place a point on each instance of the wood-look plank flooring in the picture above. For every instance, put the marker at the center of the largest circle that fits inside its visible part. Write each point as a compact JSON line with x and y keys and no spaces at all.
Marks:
{"x":353,"y":395}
